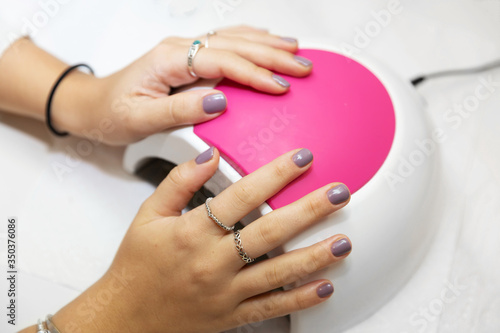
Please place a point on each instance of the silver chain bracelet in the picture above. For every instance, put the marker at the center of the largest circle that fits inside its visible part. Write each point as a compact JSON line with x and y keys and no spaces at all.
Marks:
{"x":46,"y":326}
{"x":41,"y":328}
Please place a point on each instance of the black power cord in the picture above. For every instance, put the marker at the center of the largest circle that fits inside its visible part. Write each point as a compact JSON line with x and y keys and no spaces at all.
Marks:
{"x":418,"y":80}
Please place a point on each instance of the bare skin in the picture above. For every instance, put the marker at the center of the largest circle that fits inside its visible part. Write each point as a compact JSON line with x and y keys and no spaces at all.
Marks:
{"x":181,"y":273}
{"x":173,"y":272}
{"x":134,"y":102}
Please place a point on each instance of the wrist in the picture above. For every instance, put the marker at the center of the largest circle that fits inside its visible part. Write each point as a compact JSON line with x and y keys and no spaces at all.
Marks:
{"x":104,"y":307}
{"x":31,"y":329}
{"x":76,"y":102}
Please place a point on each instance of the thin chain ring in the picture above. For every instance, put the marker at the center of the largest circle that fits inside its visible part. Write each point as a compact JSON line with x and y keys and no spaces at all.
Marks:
{"x":239,"y":247}
{"x":214,"y":218}
{"x":210,"y":33}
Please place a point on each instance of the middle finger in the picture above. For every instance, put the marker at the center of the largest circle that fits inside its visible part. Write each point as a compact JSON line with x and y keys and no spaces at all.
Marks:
{"x":264,"y":55}
{"x":292,"y":266}
{"x":241,"y":198}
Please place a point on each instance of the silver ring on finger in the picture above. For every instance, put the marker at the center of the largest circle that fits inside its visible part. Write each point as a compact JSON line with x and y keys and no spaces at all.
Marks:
{"x":210,"y":33}
{"x":214,"y":218}
{"x":193,"y":49}
{"x":239,"y":247}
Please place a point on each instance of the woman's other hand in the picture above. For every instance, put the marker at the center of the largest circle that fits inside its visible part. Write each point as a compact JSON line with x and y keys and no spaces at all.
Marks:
{"x":135,"y":102}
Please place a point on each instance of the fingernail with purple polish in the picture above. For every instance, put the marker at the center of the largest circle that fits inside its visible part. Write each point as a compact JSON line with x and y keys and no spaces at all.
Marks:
{"x":324,"y":290}
{"x":289,"y":39}
{"x":303,"y":61}
{"x":205,"y":156}
{"x":338,"y":194}
{"x":281,"y":81}
{"x":341,"y":247}
{"x":302,"y":158}
{"x":214,"y":103}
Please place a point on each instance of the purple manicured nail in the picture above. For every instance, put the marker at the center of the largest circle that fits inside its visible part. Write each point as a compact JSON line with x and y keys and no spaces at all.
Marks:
{"x":341,"y":247}
{"x":205,"y":156}
{"x":289,"y":39}
{"x":303,"y":61}
{"x":338,"y":194}
{"x":214,"y":103}
{"x":302,"y":158}
{"x":281,"y":81}
{"x":324,"y":290}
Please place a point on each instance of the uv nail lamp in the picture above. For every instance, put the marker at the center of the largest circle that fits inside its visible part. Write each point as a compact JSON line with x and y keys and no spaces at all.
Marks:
{"x":365,"y":127}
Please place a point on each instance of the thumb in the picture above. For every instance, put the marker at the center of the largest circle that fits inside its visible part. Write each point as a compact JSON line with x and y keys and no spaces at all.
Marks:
{"x":175,"y":191}
{"x":190,"y":107}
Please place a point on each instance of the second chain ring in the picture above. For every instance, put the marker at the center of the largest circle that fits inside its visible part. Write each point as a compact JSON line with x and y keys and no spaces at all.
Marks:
{"x":239,"y":247}
{"x":210,"y":33}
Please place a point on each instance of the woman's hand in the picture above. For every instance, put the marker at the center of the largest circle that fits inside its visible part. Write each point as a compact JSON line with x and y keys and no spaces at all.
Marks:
{"x":182,"y":273}
{"x":134,"y":102}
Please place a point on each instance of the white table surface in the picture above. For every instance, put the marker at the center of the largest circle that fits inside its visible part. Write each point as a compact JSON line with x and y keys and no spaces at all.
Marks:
{"x":70,"y":226}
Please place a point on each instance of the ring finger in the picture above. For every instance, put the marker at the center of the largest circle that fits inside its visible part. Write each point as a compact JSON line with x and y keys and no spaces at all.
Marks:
{"x":292,"y":266}
{"x":277,"y":227}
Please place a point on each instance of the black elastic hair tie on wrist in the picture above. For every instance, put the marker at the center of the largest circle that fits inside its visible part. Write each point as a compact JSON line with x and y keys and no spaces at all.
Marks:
{"x":51,"y":96}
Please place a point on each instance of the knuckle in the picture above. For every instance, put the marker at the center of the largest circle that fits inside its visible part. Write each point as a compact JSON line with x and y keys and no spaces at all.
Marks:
{"x":227,"y":62}
{"x":170,"y":40}
{"x":316,"y":260}
{"x":314,"y":208}
{"x":257,"y":75}
{"x":270,"y":308}
{"x":272,"y":278}
{"x":202,"y":272}
{"x":244,"y":196}
{"x":254,"y":316}
{"x":281,"y":171}
{"x":269,"y":234}
{"x":165,"y":47}
{"x":176,"y":177}
{"x":300,"y":302}
{"x":314,"y":264}
{"x":177,"y":106}
{"x":166,"y":52}
{"x":253,"y":76}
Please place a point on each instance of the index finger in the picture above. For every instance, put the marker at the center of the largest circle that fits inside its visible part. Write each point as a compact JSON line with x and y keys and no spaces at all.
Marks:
{"x":241,"y":198}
